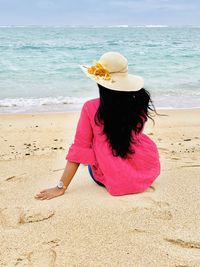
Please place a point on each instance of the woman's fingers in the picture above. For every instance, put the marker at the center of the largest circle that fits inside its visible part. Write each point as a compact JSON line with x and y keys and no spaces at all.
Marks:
{"x":49,"y":193}
{"x":43,"y":191}
{"x":48,"y":197}
{"x":44,"y":197}
{"x":38,"y":197}
{"x":40,"y":194}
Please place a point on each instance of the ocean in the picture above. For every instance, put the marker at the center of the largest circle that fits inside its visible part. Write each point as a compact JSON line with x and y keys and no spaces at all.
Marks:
{"x":39,"y":69}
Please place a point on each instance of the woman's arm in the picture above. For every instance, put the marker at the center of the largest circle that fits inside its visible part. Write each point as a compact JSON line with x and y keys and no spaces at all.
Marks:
{"x":80,"y":151}
{"x":68,"y":174}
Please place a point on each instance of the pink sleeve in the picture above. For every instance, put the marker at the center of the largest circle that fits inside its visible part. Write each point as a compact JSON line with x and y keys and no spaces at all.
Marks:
{"x":81,"y":150}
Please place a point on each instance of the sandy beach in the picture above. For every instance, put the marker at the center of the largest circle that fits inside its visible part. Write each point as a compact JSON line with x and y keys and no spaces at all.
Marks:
{"x":87,"y":226}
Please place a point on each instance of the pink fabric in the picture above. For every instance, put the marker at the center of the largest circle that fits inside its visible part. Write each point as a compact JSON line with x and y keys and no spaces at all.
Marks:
{"x":120,"y":176}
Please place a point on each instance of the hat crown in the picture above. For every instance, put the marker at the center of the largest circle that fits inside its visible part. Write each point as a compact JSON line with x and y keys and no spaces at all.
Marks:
{"x":114,"y":62}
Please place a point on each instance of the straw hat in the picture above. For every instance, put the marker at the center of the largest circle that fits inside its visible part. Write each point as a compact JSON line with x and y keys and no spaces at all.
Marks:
{"x":111,"y":71}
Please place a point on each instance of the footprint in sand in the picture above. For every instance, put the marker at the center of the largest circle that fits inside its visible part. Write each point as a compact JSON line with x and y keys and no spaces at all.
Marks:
{"x":10,"y":218}
{"x":15,"y":178}
{"x":42,"y":257}
{"x":137,"y":230}
{"x":160,"y":210}
{"x":21,"y":261}
{"x":183,"y":243}
{"x":161,"y":204}
{"x":52,"y":243}
{"x":36,"y":215}
{"x":14,"y":217}
{"x":162,"y":214}
{"x":155,"y":209}
{"x":183,"y":166}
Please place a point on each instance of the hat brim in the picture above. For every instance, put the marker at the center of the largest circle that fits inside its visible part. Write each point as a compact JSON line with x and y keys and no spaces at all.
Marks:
{"x":119,"y":82}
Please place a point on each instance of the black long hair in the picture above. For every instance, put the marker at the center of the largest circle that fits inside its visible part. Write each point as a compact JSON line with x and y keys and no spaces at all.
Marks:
{"x":120,"y":113}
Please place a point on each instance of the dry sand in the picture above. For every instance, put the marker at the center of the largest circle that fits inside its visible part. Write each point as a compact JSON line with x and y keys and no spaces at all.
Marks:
{"x":87,"y":226}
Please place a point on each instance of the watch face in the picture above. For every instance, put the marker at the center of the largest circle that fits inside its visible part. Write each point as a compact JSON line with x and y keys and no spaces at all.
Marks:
{"x":60,"y":184}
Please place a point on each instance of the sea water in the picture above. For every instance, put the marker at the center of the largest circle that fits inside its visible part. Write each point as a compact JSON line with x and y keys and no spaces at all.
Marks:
{"x":39,"y":65}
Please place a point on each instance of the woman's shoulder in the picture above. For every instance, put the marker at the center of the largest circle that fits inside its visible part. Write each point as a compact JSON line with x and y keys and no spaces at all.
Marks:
{"x":92,"y":104}
{"x":92,"y":101}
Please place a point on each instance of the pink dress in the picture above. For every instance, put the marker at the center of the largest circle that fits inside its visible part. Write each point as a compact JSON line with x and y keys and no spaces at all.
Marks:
{"x":120,"y":176}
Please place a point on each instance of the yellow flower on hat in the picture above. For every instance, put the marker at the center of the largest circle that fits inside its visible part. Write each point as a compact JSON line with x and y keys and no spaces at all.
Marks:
{"x":98,"y":70}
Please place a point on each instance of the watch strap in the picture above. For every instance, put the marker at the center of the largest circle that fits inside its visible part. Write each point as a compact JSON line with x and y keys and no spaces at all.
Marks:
{"x":63,"y":186}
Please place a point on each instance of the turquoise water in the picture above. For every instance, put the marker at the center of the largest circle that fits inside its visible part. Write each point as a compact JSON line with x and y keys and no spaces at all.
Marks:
{"x":39,"y":65}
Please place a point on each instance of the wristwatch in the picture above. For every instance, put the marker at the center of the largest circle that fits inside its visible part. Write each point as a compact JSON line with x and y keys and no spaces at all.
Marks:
{"x":60,"y":185}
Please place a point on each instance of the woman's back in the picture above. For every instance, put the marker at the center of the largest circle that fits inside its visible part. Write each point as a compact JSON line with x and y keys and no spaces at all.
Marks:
{"x":120,"y":175}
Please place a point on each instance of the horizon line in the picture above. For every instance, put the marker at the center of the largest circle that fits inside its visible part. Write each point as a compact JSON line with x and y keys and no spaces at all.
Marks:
{"x":106,"y":25}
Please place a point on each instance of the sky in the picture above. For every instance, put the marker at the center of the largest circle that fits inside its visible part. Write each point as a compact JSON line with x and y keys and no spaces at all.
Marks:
{"x":99,"y":13}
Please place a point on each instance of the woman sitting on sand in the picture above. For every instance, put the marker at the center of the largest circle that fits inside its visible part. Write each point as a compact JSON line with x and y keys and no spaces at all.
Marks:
{"x":109,"y":136}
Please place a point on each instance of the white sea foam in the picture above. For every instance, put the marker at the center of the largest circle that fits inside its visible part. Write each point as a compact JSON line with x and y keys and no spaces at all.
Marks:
{"x":46,"y":101}
{"x":118,"y":26}
{"x":12,"y":26}
{"x":156,"y":26}
{"x":135,"y":26}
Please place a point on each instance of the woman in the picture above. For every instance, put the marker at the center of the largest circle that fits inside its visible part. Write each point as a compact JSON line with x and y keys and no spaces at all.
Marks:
{"x":109,"y":136}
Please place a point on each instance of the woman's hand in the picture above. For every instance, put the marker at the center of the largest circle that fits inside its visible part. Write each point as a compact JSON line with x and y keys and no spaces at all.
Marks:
{"x":50,"y":193}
